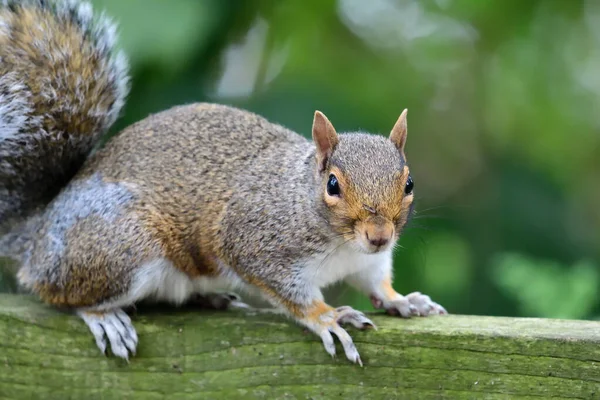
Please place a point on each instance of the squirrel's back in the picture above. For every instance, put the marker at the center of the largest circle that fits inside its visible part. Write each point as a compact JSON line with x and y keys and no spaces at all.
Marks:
{"x":62,"y":85}
{"x":196,"y":156}
{"x":196,"y":139}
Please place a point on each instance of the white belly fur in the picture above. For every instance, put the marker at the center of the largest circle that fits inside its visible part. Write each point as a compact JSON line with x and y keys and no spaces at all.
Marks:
{"x":328,"y":268}
{"x":160,"y":280}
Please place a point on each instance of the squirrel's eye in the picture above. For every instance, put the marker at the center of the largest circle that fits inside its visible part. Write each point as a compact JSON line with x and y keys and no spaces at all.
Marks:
{"x":333,"y":187}
{"x":409,"y":185}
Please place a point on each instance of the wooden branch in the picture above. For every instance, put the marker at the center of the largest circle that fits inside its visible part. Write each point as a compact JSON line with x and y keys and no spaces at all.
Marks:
{"x":228,"y":355}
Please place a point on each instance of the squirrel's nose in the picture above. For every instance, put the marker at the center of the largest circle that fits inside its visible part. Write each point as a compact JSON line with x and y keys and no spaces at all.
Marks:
{"x":378,"y":233}
{"x":377,"y":240}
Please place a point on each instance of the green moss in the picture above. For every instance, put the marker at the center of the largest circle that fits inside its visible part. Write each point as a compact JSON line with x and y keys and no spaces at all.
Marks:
{"x":187,"y":354}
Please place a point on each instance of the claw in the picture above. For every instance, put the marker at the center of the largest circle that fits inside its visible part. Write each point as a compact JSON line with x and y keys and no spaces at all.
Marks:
{"x":358,"y":361}
{"x":369,"y":325}
{"x":348,"y":315}
{"x":347,"y":343}
{"x":328,"y":343}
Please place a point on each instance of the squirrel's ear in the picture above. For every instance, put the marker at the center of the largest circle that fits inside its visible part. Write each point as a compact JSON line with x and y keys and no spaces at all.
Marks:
{"x":325,"y":138}
{"x":399,"y":131}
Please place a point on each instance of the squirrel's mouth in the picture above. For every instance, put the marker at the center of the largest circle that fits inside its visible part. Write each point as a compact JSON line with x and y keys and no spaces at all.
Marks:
{"x":374,"y":249}
{"x":374,"y":238}
{"x":367,"y":245}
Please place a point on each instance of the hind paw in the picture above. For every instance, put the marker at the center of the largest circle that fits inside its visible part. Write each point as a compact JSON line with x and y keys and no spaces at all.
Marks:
{"x":218,"y":301}
{"x":115,"y":326}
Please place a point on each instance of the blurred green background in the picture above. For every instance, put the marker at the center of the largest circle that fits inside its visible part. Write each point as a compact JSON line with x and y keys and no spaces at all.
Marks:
{"x":504,"y":117}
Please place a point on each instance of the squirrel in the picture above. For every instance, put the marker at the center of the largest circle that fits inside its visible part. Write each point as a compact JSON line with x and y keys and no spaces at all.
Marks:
{"x":188,"y":202}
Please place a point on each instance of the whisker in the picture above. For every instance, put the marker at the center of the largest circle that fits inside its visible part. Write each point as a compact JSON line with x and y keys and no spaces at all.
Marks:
{"x":418,"y":210}
{"x":414,"y":226}
{"x":429,"y":217}
{"x":444,"y":207}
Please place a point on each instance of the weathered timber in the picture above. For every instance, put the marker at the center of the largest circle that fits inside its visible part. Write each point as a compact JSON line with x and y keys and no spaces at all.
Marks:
{"x":194,"y":354}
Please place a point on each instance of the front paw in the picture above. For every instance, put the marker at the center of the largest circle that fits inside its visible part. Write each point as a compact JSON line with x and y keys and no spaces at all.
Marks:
{"x":412,"y":305}
{"x":325,"y":332}
{"x":424,"y":305}
{"x":325,"y":321}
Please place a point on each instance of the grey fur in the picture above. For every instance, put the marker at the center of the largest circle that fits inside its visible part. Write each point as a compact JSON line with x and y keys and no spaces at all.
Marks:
{"x":222,"y":168}
{"x":279,"y":194}
{"x":87,"y":241}
{"x":81,"y":200}
{"x":45,"y":99}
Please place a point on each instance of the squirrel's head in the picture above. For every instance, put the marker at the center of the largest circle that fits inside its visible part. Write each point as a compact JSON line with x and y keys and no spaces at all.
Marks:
{"x":365,"y":184}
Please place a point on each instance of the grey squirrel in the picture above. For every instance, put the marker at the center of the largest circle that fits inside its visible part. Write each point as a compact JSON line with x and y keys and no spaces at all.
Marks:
{"x":189,"y":201}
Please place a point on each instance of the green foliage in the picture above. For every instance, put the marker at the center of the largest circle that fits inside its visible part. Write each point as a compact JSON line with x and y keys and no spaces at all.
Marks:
{"x":183,"y":30}
{"x":548,"y":289}
{"x":448,"y":270}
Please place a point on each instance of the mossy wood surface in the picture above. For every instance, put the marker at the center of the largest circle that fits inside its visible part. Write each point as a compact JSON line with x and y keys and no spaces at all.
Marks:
{"x":187,"y":354}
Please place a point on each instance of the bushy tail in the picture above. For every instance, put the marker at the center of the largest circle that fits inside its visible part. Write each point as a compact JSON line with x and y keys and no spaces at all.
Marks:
{"x":62,"y":85}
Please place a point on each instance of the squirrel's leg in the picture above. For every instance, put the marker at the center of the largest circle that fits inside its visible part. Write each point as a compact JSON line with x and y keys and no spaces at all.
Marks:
{"x":94,"y":255}
{"x":324,"y":320}
{"x":376,"y":282}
